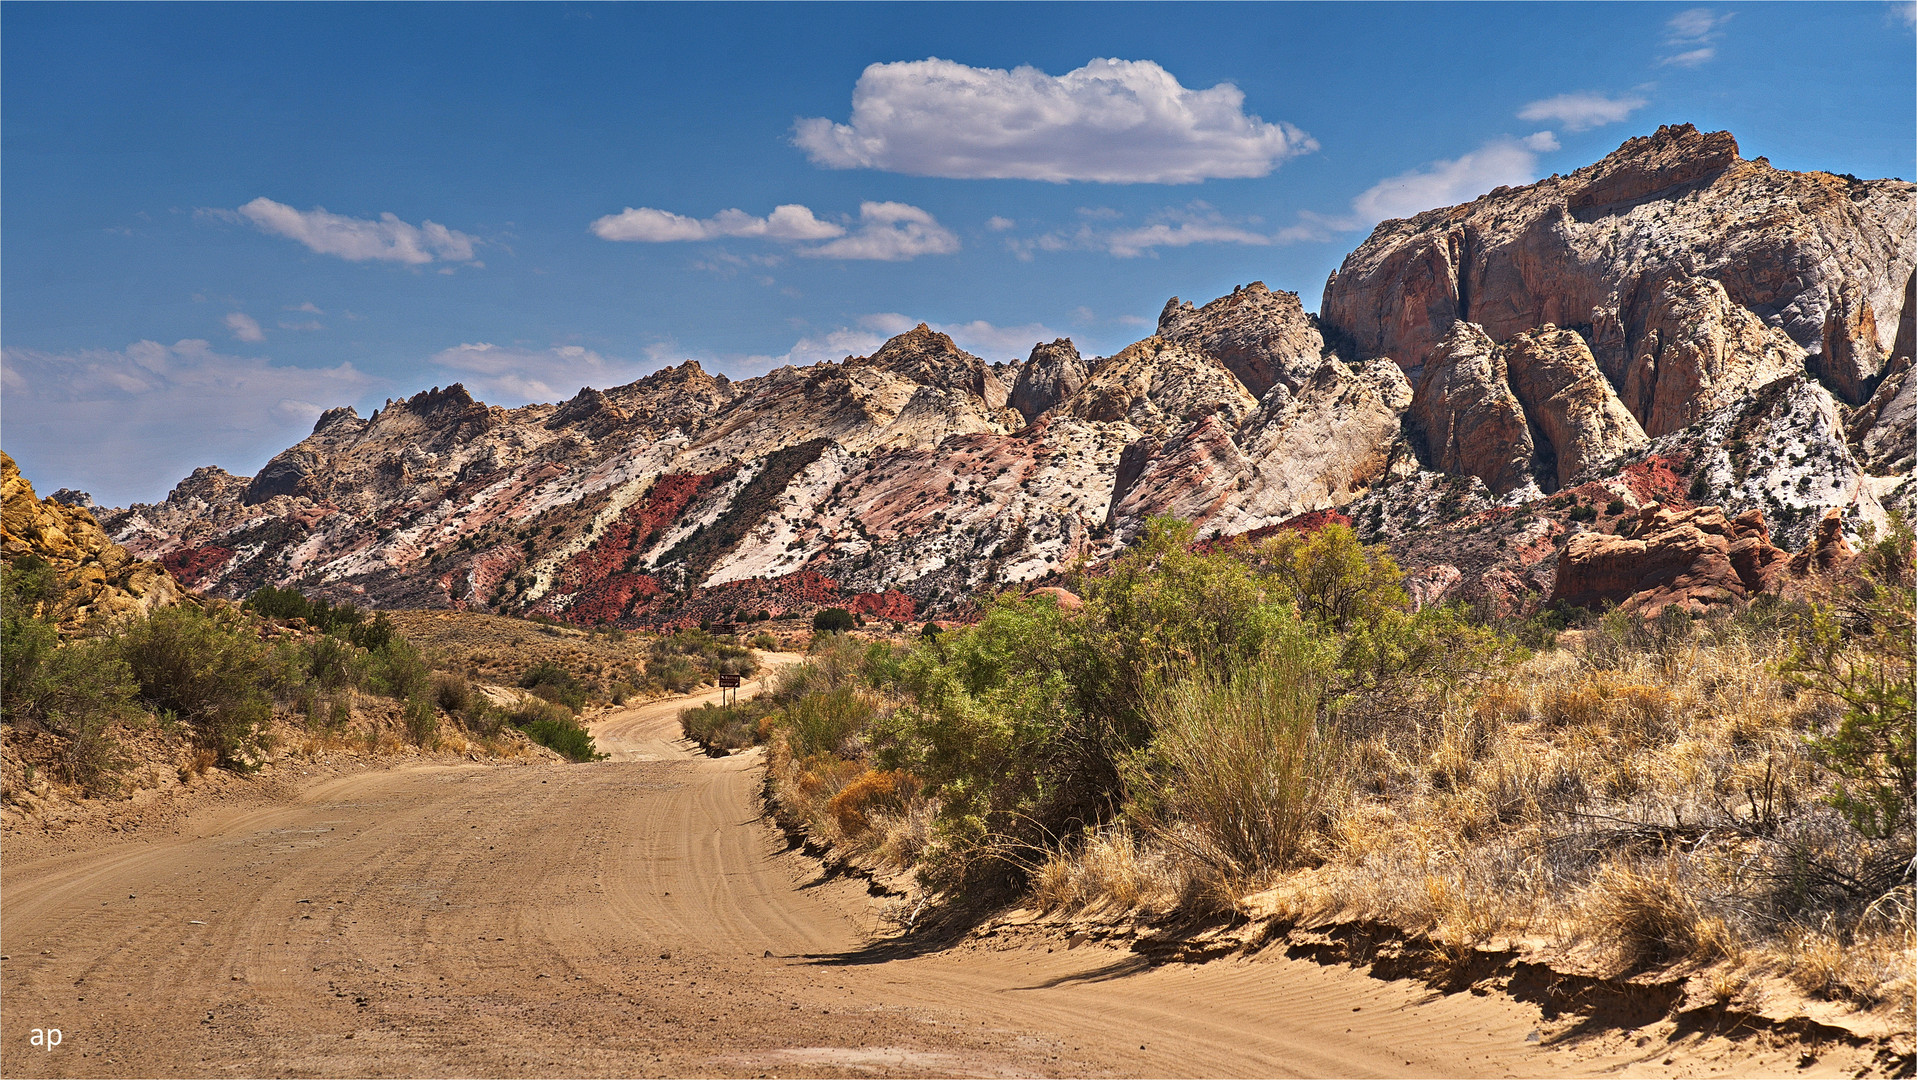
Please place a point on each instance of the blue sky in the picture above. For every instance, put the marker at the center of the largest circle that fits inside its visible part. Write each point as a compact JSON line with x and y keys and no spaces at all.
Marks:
{"x":220,"y":219}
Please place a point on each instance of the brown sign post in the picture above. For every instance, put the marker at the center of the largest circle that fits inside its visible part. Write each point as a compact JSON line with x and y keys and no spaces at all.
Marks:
{"x":728,"y":682}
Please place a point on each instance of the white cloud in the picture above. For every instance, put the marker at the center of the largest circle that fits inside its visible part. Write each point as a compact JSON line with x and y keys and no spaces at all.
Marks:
{"x":154,"y":412}
{"x":1196,"y":223}
{"x":1444,"y":183}
{"x":1000,"y":224}
{"x":1111,"y":121}
{"x":357,"y":239}
{"x":1905,"y":12}
{"x":308,"y":307}
{"x":512,"y":375}
{"x":890,"y":232}
{"x":1694,"y":33}
{"x":649,"y":226}
{"x":244,"y":327}
{"x":1581,"y":112}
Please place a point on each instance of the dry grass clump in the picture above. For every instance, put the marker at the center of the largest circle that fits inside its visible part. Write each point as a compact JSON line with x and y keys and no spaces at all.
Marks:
{"x":1111,"y":868}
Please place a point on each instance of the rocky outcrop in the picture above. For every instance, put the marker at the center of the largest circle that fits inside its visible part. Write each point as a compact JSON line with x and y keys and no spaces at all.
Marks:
{"x":1697,"y":351}
{"x":1827,"y":552}
{"x":99,"y":583}
{"x":1050,"y":375}
{"x":1465,"y":415}
{"x":1694,"y":559}
{"x":1825,"y":259}
{"x":1576,"y":419}
{"x":1263,"y":337}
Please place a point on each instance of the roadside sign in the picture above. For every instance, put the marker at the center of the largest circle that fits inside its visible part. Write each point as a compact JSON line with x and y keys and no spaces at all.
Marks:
{"x":728,"y":682}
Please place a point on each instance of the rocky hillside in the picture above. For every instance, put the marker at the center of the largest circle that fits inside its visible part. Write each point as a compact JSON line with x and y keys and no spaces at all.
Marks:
{"x":96,"y":582}
{"x":1673,"y":326}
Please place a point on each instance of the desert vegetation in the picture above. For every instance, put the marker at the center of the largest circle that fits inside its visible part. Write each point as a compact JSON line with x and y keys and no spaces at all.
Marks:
{"x":1272,"y":727}
{"x":225,"y":685}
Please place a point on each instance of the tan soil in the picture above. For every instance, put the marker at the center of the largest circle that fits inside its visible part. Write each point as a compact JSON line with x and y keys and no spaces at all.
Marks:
{"x":638,"y":916}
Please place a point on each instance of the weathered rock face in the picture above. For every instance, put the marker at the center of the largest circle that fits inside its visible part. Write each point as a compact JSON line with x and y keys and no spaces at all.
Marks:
{"x":1263,"y":337}
{"x":1050,"y":375}
{"x":1697,"y":351}
{"x":1825,"y":259}
{"x":101,"y":583}
{"x":1577,"y":420}
{"x":1466,"y":416}
{"x":1884,"y":431}
{"x":1692,"y":558}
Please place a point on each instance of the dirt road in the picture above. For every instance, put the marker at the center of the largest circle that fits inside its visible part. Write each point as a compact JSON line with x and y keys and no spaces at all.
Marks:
{"x":627,"y":917}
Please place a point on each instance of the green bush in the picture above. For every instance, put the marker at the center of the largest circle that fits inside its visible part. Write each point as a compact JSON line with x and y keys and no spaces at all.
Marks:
{"x":551,"y":725}
{"x":552,"y":682}
{"x":764,"y":642}
{"x":422,"y":720}
{"x":397,"y":670}
{"x":207,"y":670}
{"x":834,"y":621}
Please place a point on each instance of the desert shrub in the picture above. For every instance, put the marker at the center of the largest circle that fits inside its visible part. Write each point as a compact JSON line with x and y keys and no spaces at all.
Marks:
{"x":873,"y":792}
{"x":732,"y":727}
{"x":552,"y":725}
{"x":829,"y":722}
{"x":834,"y":621}
{"x":328,"y":662}
{"x":622,"y":692}
{"x":344,"y":619}
{"x":1649,"y":915}
{"x":26,"y":641}
{"x":1235,"y":771}
{"x":677,"y":674}
{"x":397,"y":670}
{"x":453,"y":692}
{"x":552,"y":682}
{"x":207,"y":670}
{"x":78,"y":691}
{"x":1334,"y":580}
{"x":764,"y":642}
{"x":422,"y":719}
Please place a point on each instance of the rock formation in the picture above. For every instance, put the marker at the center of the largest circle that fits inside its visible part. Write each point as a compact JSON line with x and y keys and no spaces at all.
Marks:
{"x":99,"y":583}
{"x":1824,"y":259}
{"x":1263,"y":337}
{"x":1578,"y":420}
{"x":1693,"y":558}
{"x":1466,"y":415}
{"x":1050,"y":375}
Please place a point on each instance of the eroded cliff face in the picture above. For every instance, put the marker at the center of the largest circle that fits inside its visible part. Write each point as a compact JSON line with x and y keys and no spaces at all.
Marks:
{"x":1616,"y":249}
{"x":1670,"y":329}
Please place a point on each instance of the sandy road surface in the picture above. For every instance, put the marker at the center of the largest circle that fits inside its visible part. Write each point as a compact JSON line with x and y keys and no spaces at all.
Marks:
{"x":628,"y":917}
